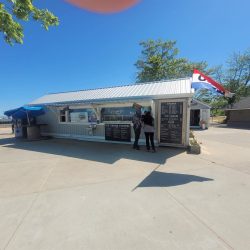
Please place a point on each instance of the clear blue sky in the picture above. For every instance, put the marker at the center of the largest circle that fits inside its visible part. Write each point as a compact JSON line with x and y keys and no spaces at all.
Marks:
{"x":90,"y":50}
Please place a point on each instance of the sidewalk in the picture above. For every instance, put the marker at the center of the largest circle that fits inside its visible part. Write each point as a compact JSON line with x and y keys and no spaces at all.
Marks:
{"x":59,"y":194}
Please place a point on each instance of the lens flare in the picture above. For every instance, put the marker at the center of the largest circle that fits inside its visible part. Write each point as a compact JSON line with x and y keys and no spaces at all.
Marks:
{"x":104,"y":6}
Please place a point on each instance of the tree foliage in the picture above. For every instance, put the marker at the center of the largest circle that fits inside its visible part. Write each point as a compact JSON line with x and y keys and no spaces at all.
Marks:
{"x":14,"y":11}
{"x":218,"y":105}
{"x":235,"y":76}
{"x":159,"y":61}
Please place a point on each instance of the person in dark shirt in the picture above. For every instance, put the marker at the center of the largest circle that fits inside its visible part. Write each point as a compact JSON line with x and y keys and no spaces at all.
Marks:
{"x":137,"y":128}
{"x":148,"y":127}
{"x":13,"y":126}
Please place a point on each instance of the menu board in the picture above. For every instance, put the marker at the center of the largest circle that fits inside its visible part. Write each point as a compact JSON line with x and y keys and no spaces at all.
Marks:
{"x":171,"y":120}
{"x":118,"y":132}
{"x":117,"y":114}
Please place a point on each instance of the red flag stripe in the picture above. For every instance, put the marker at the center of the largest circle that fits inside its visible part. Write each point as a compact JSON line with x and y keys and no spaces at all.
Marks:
{"x":216,"y":84}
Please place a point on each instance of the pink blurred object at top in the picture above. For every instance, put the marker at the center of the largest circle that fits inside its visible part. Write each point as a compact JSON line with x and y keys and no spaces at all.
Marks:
{"x":104,"y":6}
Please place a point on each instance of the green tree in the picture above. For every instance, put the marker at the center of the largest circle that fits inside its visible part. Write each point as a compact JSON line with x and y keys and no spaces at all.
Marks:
{"x":235,"y":76}
{"x":14,"y":11}
{"x":204,"y":95}
{"x":218,"y":104}
{"x":159,"y":61}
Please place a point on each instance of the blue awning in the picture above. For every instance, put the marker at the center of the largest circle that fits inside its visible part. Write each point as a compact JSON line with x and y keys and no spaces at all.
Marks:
{"x":25,"y":111}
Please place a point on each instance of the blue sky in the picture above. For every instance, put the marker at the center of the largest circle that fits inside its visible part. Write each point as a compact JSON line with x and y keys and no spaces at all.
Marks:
{"x":90,"y":50}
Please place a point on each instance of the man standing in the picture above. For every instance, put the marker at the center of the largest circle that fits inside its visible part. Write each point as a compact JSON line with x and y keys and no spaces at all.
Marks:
{"x":12,"y":126}
{"x":137,"y":126}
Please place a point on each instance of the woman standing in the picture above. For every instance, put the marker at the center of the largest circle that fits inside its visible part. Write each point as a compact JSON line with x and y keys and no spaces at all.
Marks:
{"x":148,"y":126}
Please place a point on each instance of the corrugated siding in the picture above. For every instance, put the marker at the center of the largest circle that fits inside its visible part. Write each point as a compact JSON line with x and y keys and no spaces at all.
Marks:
{"x":54,"y":127}
{"x":175,"y":87}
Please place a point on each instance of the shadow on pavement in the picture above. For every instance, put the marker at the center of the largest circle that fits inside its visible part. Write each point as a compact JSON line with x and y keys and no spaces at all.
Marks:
{"x":161,"y":179}
{"x":94,"y":151}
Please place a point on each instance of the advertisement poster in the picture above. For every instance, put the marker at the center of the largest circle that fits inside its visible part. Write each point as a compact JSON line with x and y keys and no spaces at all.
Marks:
{"x":79,"y":117}
{"x":83,"y":116}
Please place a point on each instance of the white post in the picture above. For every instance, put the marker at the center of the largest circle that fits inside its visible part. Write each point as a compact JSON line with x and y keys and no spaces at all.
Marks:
{"x":188,"y":103}
{"x":28,"y":117}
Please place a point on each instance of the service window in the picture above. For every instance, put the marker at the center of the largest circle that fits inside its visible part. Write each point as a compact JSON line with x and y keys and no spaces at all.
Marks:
{"x":62,"y":116}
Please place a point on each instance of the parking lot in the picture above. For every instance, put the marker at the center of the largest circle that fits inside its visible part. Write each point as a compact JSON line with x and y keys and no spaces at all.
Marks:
{"x":65,"y":194}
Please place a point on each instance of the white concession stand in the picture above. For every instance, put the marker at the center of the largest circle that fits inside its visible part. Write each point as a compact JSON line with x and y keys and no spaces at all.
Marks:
{"x":106,"y":114}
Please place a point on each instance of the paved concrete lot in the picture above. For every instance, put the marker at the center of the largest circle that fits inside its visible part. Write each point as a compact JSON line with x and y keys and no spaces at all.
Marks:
{"x":58,"y":194}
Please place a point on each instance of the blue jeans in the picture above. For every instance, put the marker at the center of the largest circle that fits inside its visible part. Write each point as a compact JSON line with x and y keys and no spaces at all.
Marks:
{"x":137,"y":137}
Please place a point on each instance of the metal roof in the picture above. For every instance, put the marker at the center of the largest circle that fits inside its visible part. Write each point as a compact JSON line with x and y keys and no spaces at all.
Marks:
{"x":243,"y":103}
{"x":172,"y":88}
{"x":195,"y":102}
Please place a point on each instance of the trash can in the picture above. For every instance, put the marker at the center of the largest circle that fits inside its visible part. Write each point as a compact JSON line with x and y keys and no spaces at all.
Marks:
{"x":33,"y":132}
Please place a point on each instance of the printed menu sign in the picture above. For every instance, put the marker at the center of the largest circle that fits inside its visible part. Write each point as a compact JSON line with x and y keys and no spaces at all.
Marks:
{"x":171,"y":120}
{"x":118,"y":132}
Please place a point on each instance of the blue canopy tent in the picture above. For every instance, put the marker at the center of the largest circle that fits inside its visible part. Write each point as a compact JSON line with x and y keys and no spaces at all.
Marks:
{"x":25,"y":123}
{"x":25,"y":112}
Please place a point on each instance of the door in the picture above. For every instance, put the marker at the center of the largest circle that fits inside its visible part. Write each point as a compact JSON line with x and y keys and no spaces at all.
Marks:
{"x":195,"y":117}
